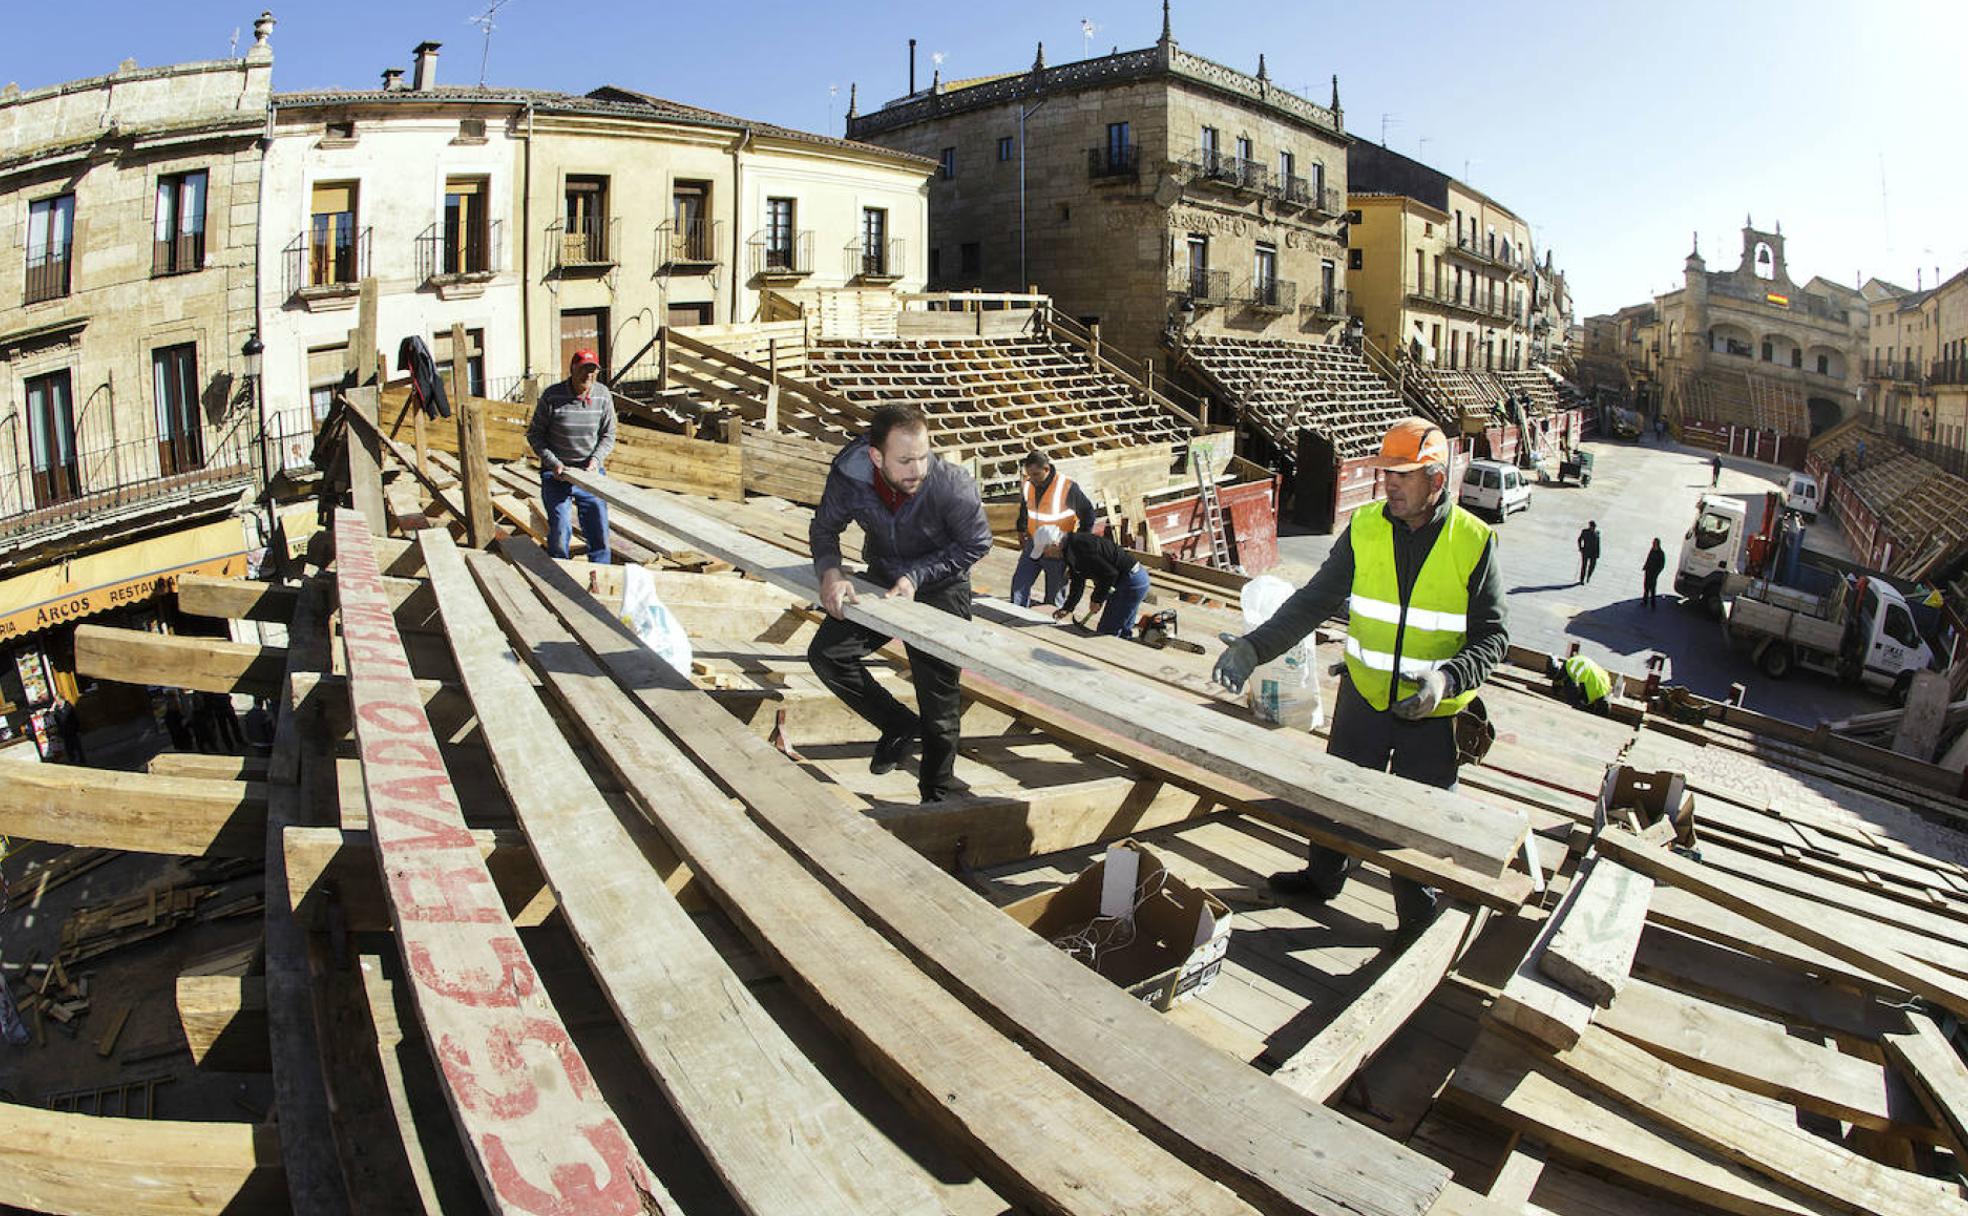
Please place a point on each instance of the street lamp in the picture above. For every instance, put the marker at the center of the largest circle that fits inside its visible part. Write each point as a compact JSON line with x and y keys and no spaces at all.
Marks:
{"x":250,"y":363}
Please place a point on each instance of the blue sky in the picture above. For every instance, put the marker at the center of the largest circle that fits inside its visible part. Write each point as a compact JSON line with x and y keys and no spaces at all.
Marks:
{"x":1617,"y":129}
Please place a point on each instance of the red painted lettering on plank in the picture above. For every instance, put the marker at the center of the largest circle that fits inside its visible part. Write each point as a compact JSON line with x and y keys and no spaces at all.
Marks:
{"x":574,"y":1190}
{"x":476,"y":986}
{"x":437,"y":834}
{"x":461,"y":894}
{"x":507,"y":1063}
{"x":394,"y":718}
{"x":410,"y":753}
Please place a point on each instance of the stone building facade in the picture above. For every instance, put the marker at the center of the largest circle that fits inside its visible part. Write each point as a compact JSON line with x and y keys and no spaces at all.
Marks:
{"x":1755,"y":319}
{"x":128,"y":294}
{"x":1441,"y":271}
{"x":1917,"y":368}
{"x":1144,"y":190}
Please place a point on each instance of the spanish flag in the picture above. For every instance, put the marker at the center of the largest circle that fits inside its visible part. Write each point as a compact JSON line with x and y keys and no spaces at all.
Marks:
{"x":1779,"y":301}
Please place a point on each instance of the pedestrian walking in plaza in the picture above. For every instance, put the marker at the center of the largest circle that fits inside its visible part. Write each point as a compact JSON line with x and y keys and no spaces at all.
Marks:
{"x":923,"y":528}
{"x":1715,"y":470}
{"x":1588,"y":546}
{"x":1650,"y":572}
{"x":1419,"y":576}
{"x":1119,"y":582}
{"x":1050,"y":498}
{"x":573,"y":427}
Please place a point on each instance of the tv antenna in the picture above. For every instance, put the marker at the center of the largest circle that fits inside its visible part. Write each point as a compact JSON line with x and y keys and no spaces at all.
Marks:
{"x":484,"y":22}
{"x":1386,"y":121}
{"x":1087,"y":30}
{"x":232,"y":48}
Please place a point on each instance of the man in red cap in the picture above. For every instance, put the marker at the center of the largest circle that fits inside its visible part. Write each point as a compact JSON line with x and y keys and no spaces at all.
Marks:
{"x":573,"y":427}
{"x":1418,"y":576}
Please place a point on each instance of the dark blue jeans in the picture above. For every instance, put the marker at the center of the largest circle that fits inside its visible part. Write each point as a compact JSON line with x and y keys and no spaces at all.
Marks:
{"x":1027,"y":573}
{"x":1117,"y":618}
{"x":562,"y":499}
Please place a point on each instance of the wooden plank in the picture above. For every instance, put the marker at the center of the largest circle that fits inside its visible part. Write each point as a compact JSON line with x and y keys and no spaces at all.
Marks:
{"x":1592,"y":950}
{"x":237,"y":599}
{"x":1537,"y":1005}
{"x":137,"y":812}
{"x":224,"y":1021}
{"x":779,"y":1137}
{"x":1322,"y":1067}
{"x":1501,"y":1079}
{"x":207,"y":765}
{"x":1839,"y":934}
{"x":1722,"y":1120}
{"x":363,"y":452}
{"x":535,"y":1131}
{"x":1939,"y":1078}
{"x":1774,"y":990}
{"x":59,"y":1161}
{"x":1190,"y":1097}
{"x":1689,"y":913}
{"x":476,"y":490}
{"x":307,"y":1149}
{"x":1518,"y":1176}
{"x":1434,"y":821}
{"x":1035,"y":1137}
{"x":1760,"y":1056}
{"x":337,"y":866}
{"x":138,"y":656}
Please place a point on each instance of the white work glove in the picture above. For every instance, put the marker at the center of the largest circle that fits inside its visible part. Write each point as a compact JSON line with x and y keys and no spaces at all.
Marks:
{"x":1235,"y":665}
{"x":1426,"y":699}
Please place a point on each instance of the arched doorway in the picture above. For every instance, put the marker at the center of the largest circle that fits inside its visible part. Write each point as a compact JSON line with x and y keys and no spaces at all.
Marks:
{"x":1825,"y":414}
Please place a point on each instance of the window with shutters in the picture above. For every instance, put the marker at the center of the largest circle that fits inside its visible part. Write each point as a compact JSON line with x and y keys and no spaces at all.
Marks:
{"x":178,"y":229}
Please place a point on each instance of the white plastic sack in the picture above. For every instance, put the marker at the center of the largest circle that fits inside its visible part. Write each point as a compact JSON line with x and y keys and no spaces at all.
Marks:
{"x":659,"y":630}
{"x":1285,"y":690}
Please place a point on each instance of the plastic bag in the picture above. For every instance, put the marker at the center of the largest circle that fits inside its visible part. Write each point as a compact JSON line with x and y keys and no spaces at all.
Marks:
{"x":1285,"y":690}
{"x":654,"y":624}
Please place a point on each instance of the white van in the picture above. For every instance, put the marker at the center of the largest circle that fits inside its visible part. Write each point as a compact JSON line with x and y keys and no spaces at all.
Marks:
{"x":1801,"y":496}
{"x":1494,"y":487}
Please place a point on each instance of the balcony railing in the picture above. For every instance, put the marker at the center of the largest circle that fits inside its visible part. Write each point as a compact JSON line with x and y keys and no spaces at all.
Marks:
{"x":1237,"y":172}
{"x":1948,"y":371}
{"x":689,"y":244}
{"x":1328,"y":303}
{"x":1907,"y":370}
{"x":1272,"y":295}
{"x":180,"y":254}
{"x":1114,"y":160}
{"x":1300,"y":192}
{"x":479,"y":254}
{"x":47,"y":276}
{"x":1202,"y":285}
{"x":108,"y":476}
{"x":883,"y":263}
{"x":589,"y":246}
{"x":786,"y":257}
{"x":329,"y":267}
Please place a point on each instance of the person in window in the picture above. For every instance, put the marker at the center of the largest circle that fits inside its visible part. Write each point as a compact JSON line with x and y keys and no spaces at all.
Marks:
{"x":1119,"y":582}
{"x":573,"y":427}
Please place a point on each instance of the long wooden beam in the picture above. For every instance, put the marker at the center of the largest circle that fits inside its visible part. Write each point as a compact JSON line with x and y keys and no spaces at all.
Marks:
{"x":59,"y":1161}
{"x":537,"y":1131}
{"x":1940,"y":1079}
{"x":778,"y":1136}
{"x":1388,"y":807}
{"x":239,"y":599}
{"x":1184,"y":1093}
{"x":338,"y":865}
{"x":137,"y":812}
{"x":137,"y":656}
{"x":1033,"y":1136}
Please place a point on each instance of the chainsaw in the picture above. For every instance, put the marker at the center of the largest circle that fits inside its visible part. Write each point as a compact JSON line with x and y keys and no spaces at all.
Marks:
{"x":1158,"y":630}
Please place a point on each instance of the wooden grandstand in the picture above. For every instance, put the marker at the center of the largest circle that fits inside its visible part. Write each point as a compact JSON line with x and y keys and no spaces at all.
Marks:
{"x":994,"y":398}
{"x":1286,"y":389}
{"x":1742,"y":399}
{"x":1918,"y":504}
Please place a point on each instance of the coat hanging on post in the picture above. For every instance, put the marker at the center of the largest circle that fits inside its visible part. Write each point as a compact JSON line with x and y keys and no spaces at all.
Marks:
{"x":426,"y":385}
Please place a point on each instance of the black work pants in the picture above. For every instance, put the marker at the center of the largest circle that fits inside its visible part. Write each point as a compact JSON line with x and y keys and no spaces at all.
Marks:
{"x":1588,"y":562}
{"x":1647,"y":592}
{"x":1423,"y":751}
{"x":839,"y":653}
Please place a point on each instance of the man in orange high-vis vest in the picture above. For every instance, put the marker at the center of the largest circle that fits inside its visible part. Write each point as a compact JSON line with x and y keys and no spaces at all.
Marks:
{"x":1049,"y":497}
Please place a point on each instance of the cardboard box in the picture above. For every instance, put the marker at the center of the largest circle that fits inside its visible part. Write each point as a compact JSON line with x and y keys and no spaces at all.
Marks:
{"x":1653,"y":796}
{"x":1132,"y":921}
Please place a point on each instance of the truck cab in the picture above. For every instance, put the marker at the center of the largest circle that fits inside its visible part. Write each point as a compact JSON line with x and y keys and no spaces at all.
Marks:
{"x":1801,"y":495}
{"x":1889,"y":646}
{"x":1712,"y":553}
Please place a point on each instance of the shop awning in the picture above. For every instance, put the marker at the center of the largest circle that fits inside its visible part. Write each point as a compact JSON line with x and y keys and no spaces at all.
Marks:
{"x":119,"y":577}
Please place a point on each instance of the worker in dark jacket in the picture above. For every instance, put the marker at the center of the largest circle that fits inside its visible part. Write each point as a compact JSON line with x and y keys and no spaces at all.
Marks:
{"x":1650,"y":572}
{"x":1119,"y":582}
{"x":1419,"y":577}
{"x":923,"y":528}
{"x":1588,"y":547}
{"x":573,"y":426}
{"x":1049,"y":497}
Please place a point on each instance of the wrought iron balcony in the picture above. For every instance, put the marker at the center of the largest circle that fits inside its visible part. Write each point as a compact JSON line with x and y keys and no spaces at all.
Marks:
{"x":782,"y":255}
{"x":1201,"y":284}
{"x":1114,"y":160}
{"x":1328,"y":303}
{"x":1273,"y":295}
{"x":326,"y":260}
{"x":47,"y":276}
{"x":881,"y":264}
{"x":689,"y":245}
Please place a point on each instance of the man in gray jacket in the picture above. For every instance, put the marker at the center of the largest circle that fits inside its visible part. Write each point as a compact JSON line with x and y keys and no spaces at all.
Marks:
{"x":573,"y":427}
{"x":923,"y":528}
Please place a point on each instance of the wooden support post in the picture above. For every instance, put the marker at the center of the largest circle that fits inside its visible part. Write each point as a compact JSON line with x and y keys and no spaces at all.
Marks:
{"x":772,"y":385}
{"x":474,"y":474}
{"x":362,"y":449}
{"x":1095,"y":329}
{"x":663,"y":358}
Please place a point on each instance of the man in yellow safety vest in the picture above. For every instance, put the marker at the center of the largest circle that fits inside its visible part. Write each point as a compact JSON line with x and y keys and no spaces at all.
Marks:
{"x":1418,"y":576}
{"x":1583,"y":683}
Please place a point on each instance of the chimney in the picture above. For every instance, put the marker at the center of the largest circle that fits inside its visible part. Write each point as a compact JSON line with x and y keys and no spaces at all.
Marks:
{"x":392,"y":80}
{"x":912,"y":67}
{"x":425,"y":57}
